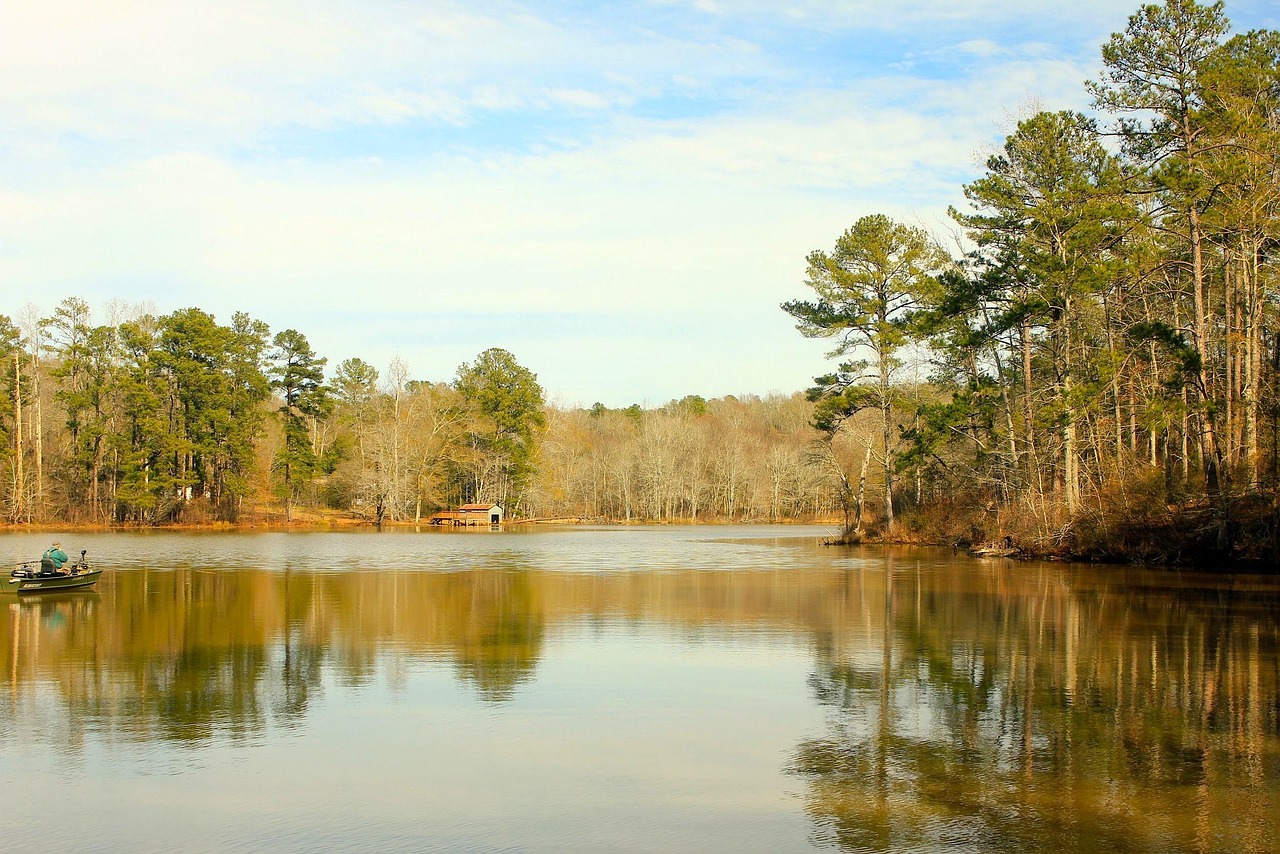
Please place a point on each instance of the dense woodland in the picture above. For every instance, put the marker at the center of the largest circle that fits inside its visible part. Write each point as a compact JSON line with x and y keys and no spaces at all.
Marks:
{"x":177,"y":418}
{"x":1089,"y":364}
{"x":1104,"y":342}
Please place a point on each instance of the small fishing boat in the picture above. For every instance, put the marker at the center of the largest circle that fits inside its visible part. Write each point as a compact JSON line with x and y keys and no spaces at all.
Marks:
{"x":40,"y":576}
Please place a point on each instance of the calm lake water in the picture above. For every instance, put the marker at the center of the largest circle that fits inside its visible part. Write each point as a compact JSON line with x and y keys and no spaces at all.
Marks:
{"x":638,"y":689}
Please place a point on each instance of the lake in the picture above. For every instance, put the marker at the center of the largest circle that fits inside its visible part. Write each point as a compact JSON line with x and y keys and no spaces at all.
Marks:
{"x":631,"y":689}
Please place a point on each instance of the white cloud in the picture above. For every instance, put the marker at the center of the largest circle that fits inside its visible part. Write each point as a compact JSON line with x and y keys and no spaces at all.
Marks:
{"x":143,"y":156}
{"x":984,"y":48}
{"x":583,"y":99}
{"x":907,"y":15}
{"x":695,"y":224}
{"x":182,"y":75}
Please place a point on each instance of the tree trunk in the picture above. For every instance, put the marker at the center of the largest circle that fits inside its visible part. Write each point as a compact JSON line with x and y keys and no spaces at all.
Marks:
{"x":886,"y":412}
{"x":38,"y":504}
{"x":20,"y":487}
{"x":1210,"y":455}
{"x":862,"y":490}
{"x":1252,"y":386}
{"x":288,"y":490}
{"x":1029,"y":440}
{"x":1070,"y":461}
{"x":1115,"y":379}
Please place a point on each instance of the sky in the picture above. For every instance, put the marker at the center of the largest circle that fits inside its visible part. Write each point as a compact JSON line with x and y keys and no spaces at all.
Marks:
{"x":620,"y":193}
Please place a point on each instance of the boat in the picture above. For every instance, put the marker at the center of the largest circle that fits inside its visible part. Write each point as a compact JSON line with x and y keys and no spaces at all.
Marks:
{"x":39,"y":576}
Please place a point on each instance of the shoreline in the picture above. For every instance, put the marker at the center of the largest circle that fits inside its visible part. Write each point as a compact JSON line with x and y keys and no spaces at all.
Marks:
{"x":1180,"y":545}
{"x":355,"y":523}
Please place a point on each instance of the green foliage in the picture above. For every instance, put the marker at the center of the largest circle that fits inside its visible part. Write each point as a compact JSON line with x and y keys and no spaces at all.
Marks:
{"x":874,"y":293}
{"x":355,"y":384}
{"x":690,"y":406}
{"x":1173,"y":341}
{"x":1047,"y":216}
{"x":1115,"y":309}
{"x":1151,"y":70}
{"x":504,"y":392}
{"x":868,"y":288}
{"x":970,"y":412}
{"x":10,"y":346}
{"x":187,"y":393}
{"x":839,"y":396}
{"x":509,"y":406}
{"x":871,"y":290}
{"x":297,"y":374}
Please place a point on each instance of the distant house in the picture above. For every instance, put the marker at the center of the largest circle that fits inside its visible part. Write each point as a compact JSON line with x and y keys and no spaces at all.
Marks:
{"x":470,"y":515}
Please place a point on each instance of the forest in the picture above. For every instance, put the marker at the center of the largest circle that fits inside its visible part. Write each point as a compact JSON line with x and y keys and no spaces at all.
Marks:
{"x":179,"y":419}
{"x":1089,"y":365}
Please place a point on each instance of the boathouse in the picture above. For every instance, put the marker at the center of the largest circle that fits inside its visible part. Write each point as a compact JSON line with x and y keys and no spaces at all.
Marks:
{"x":480,"y":514}
{"x":470,"y":515}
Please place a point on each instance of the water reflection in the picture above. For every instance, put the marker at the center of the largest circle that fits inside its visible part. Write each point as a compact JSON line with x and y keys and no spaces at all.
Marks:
{"x":1033,"y":708}
{"x":959,"y":704}
{"x":185,"y":655}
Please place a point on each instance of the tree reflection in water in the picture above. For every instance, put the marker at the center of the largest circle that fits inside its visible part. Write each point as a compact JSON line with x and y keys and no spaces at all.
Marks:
{"x":982,"y":706}
{"x":1038,"y":709}
{"x":499,"y":643}
{"x":185,"y":656}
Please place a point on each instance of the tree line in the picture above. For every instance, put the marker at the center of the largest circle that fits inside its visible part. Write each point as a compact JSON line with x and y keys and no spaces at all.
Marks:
{"x":151,"y":419}
{"x":1096,"y":357}
{"x":1104,"y":341}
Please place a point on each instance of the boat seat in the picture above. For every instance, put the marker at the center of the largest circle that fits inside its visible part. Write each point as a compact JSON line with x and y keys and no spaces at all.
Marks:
{"x":47,"y":566}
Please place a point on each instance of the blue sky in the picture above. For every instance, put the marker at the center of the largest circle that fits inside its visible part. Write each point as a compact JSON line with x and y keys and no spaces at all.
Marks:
{"x":619,"y":193}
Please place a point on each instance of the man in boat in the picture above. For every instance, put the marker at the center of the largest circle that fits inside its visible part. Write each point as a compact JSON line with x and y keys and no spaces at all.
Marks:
{"x":53,"y":558}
